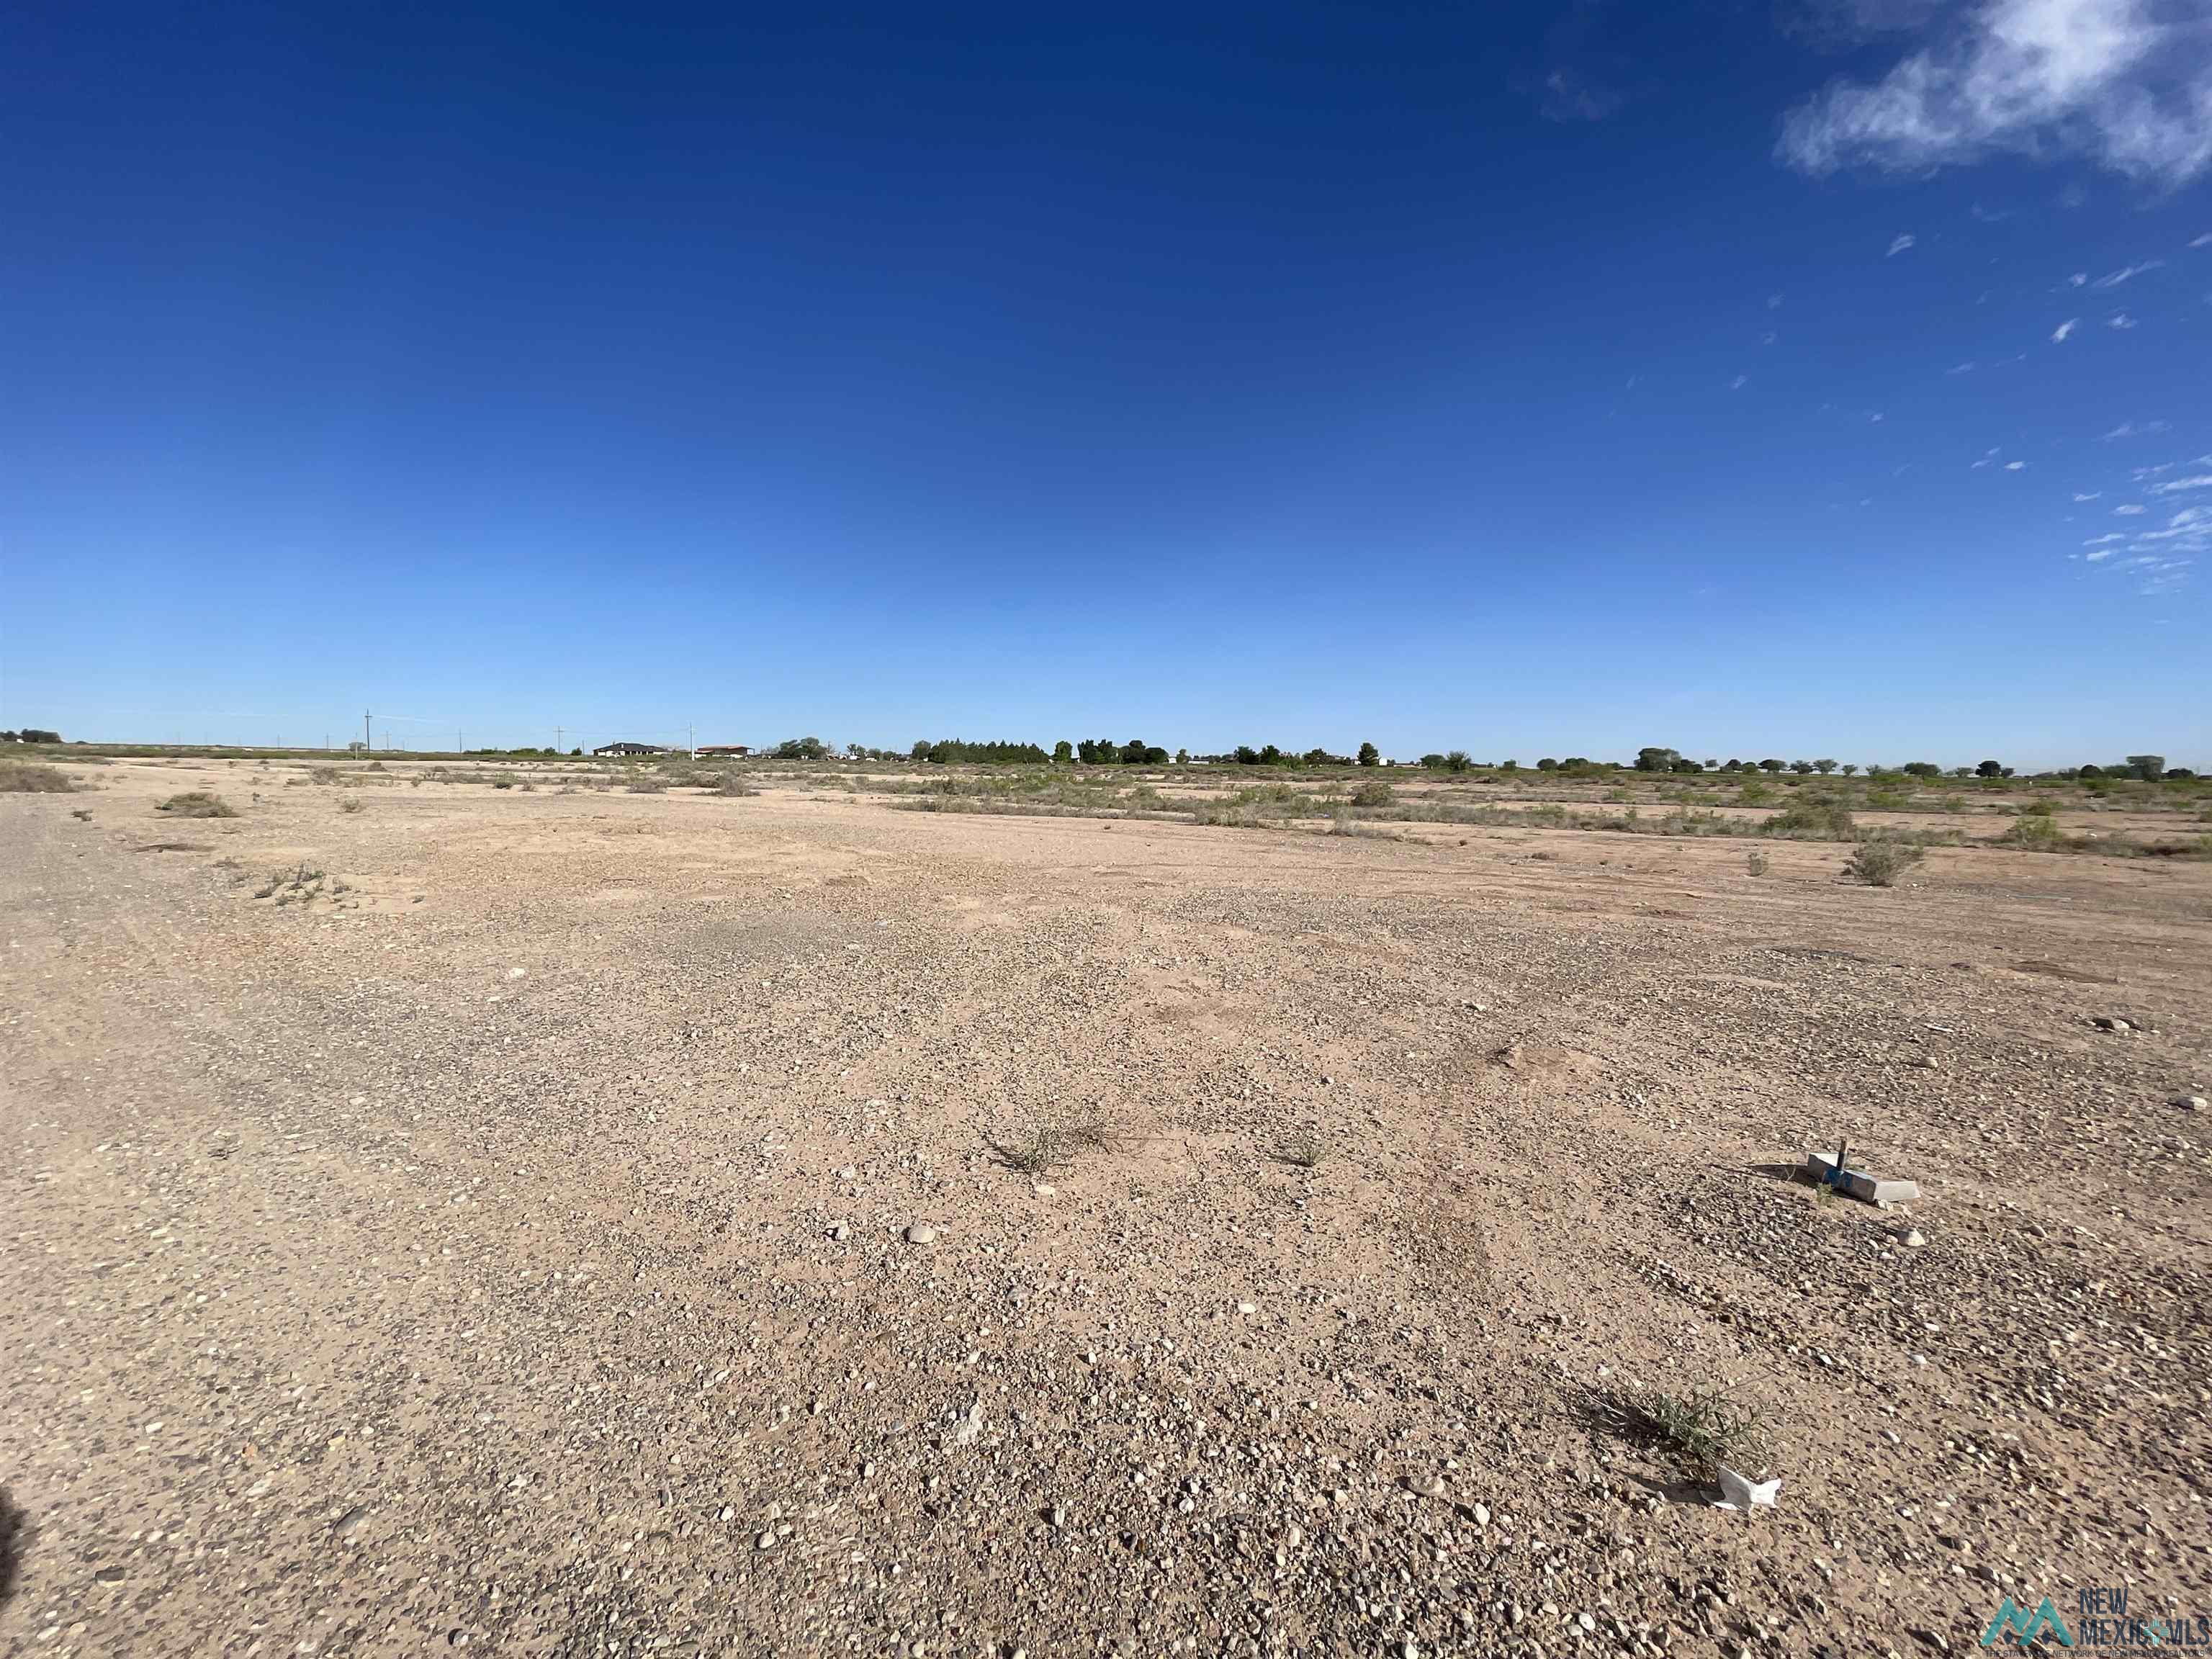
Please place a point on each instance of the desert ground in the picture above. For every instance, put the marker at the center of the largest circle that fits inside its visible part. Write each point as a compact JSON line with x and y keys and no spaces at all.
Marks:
{"x":564,"y":1220}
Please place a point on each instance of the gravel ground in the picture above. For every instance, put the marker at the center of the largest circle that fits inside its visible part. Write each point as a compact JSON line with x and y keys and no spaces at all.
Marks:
{"x":586,"y":1223}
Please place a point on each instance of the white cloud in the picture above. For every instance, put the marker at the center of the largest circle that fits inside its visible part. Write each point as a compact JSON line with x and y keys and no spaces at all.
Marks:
{"x":2016,"y":467}
{"x":2111,"y":79}
{"x":2091,"y":496}
{"x":2175,"y":486}
{"x":2119,"y":319}
{"x":1571,"y":97}
{"x":2205,"y":240}
{"x":1739,"y":383}
{"x":2131,"y":510}
{"x":2093,"y":557}
{"x":1967,"y":368}
{"x":1902,"y":240}
{"x":2113,"y":279}
{"x":2058,"y":334}
{"x":1774,"y":302}
{"x":2077,"y":279}
{"x":2135,"y":430}
{"x":2106,"y":539}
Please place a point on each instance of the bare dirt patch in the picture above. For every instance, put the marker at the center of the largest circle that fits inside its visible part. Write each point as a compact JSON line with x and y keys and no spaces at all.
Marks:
{"x":1333,"y":1243}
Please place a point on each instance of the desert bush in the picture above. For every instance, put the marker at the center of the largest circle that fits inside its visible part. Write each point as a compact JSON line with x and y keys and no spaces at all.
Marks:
{"x":2036,"y":830}
{"x":1878,"y":863}
{"x":648,"y":783}
{"x":1755,"y":862}
{"x":20,"y":778}
{"x":323,"y":774}
{"x":1374,"y":792}
{"x":1812,"y":817}
{"x":1302,"y":1150}
{"x":197,"y":804}
{"x":350,"y":804}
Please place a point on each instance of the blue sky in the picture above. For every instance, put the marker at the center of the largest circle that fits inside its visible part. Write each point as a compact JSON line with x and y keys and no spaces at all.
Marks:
{"x":1821,"y":379}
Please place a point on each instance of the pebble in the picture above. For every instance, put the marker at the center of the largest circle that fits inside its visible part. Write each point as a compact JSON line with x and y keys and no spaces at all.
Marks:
{"x":765,"y":1541}
{"x":1248,"y":1309}
{"x":1913,"y":1240}
{"x":2188,"y":1102}
{"x":840,"y":1232}
{"x":1428,"y":1486}
{"x":1482,"y":1514}
{"x":919,"y":1232}
{"x":2111,"y":1022}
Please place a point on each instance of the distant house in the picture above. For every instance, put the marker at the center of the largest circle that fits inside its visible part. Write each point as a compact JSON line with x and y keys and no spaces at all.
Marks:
{"x":630,"y":749}
{"x":724,"y":748}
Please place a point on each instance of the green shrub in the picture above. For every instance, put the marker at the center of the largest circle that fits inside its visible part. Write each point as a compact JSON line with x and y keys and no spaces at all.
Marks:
{"x":1813,"y":818}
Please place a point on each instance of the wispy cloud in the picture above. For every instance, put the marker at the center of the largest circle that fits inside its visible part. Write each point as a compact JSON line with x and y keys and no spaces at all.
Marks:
{"x":2093,"y":557}
{"x":1967,"y":368}
{"x":2113,"y":279}
{"x":2058,"y":334}
{"x":1739,"y":383}
{"x":2077,"y":279}
{"x":2110,"y":79}
{"x":2119,"y":319}
{"x":2175,"y":486}
{"x":2135,"y":430}
{"x":2091,"y":496}
{"x":1902,"y":240}
{"x":2016,"y":467}
{"x":2131,"y":510}
{"x":2205,"y":240}
{"x":2106,"y":539}
{"x":1570,"y":96}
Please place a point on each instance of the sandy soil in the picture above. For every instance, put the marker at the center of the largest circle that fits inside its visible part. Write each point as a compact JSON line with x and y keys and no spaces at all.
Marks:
{"x":498,"y":1241}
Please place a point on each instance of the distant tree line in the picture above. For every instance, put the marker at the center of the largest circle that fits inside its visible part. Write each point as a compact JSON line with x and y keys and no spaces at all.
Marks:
{"x":30,"y":734}
{"x":1652,"y":758}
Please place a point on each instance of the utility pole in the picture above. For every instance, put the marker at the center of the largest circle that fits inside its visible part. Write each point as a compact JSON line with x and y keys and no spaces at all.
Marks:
{"x":366,"y":741}
{"x":556,"y":738}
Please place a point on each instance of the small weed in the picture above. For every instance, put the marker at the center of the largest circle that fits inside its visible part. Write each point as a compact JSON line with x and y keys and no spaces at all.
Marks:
{"x":350,"y":804}
{"x":1699,"y":1430}
{"x":1302,"y":1150}
{"x":197,"y":804}
{"x":1054,"y":1145}
{"x":1756,"y":862}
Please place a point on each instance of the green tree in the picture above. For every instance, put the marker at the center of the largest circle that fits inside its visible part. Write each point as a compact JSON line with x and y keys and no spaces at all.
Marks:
{"x":1772,"y":765}
{"x":1183,"y":757}
{"x":1850,"y":766}
{"x":1824,"y":767}
{"x":1370,"y":754}
{"x":1063,"y":753}
{"x":2149,"y":768}
{"x":1655,"y":759}
{"x":1923,"y":769}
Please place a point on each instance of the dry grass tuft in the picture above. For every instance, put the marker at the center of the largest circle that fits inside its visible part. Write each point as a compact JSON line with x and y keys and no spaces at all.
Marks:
{"x":197,"y":804}
{"x":20,"y":778}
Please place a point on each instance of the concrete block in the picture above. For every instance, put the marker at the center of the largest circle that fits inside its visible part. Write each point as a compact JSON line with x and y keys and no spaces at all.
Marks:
{"x":1821,"y":1166}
